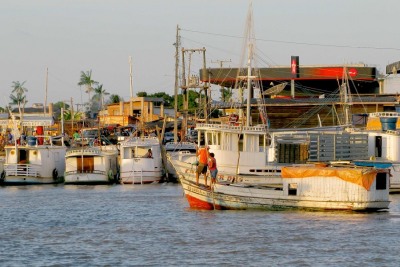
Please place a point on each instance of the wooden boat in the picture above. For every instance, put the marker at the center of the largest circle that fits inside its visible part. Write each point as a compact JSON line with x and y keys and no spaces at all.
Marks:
{"x":91,"y":165}
{"x":303,"y":187}
{"x":39,"y":161}
{"x":135,"y":166}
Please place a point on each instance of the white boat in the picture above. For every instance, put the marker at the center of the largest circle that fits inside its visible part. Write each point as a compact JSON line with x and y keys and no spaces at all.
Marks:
{"x":384,"y":145}
{"x":135,"y":165}
{"x":254,"y":155}
{"x":180,"y":146}
{"x":91,"y":165}
{"x":39,"y":161}
{"x":302,"y":187}
{"x":177,"y":147}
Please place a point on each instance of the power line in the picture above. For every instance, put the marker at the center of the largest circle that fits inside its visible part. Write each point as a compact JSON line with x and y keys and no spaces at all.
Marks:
{"x":297,"y":43}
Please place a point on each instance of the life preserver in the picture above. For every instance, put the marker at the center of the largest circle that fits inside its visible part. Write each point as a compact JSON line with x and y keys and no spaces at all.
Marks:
{"x":96,"y":142}
{"x":55,"y":174}
{"x":3,"y":176}
{"x":110,"y":175}
{"x":233,"y":118}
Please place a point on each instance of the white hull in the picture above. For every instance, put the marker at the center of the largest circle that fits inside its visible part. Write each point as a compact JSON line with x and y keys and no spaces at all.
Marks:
{"x":316,"y":192}
{"x":135,"y":167}
{"x":88,"y":178}
{"x":91,"y":165}
{"x":39,"y":164}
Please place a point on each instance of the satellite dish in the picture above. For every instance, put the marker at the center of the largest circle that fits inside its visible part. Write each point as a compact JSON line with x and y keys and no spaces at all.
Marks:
{"x":274,"y":90}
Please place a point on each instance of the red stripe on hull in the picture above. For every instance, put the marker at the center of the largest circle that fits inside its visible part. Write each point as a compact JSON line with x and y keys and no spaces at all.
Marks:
{"x":199,"y":204}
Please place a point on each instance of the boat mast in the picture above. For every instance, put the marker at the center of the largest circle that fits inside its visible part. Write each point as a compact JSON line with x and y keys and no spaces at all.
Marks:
{"x":177,"y":43}
{"x":45,"y":96}
{"x":249,"y":87}
{"x":249,"y":39}
{"x":345,"y":88}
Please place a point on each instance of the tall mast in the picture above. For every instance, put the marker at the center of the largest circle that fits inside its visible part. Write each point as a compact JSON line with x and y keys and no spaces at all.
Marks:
{"x":176,"y":85}
{"x":45,"y":95}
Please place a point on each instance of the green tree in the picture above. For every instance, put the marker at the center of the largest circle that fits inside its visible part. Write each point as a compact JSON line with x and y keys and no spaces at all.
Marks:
{"x":168,"y":100}
{"x":226,"y":94}
{"x":68,"y":115}
{"x":61,"y":104}
{"x":192,"y":105}
{"x":87,"y":81}
{"x":18,"y":96}
{"x":115,"y":99}
{"x":99,"y":95}
{"x":141,"y":94}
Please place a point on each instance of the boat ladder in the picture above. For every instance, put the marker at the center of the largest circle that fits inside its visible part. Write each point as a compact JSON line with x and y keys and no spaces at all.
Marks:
{"x":140,"y":172}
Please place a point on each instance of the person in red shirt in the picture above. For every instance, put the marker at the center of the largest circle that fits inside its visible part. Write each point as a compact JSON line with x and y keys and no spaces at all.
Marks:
{"x":202,"y":153}
{"x":212,"y":166}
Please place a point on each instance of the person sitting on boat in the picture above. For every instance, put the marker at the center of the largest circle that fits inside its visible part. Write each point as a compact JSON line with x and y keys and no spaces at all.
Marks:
{"x":202,"y":153}
{"x":76,"y":135}
{"x":2,"y":142}
{"x":149,"y":154}
{"x":10,"y":137}
{"x":23,"y":138}
{"x":212,"y":166}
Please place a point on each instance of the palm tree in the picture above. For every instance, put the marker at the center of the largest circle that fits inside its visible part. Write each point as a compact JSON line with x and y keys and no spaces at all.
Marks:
{"x":18,"y":88}
{"x":99,"y":94}
{"x":226,"y":94}
{"x":68,"y":115}
{"x":86,"y":80}
{"x":18,"y":96}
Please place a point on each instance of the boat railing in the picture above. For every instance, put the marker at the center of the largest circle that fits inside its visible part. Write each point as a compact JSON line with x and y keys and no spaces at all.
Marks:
{"x":384,"y":114}
{"x":38,"y":140}
{"x":83,"y":151}
{"x":28,"y":170}
{"x":135,"y":140}
{"x":257,"y":128}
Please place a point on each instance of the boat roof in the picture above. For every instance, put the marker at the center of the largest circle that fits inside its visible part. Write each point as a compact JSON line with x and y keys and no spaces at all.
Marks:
{"x":141,"y":141}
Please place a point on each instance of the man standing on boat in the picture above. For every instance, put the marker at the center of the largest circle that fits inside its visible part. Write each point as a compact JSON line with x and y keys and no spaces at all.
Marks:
{"x":202,"y":153}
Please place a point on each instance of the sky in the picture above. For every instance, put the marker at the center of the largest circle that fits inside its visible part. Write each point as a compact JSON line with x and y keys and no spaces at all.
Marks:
{"x":66,"y":37}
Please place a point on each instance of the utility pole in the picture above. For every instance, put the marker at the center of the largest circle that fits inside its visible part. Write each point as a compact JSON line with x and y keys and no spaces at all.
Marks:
{"x":72,"y":116}
{"x":193,"y":82}
{"x":184,"y":98}
{"x":177,"y":44}
{"x":221,"y":62}
{"x":206,"y":85}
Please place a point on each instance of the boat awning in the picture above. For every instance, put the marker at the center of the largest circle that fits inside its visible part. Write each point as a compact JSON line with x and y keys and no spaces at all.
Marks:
{"x":37,"y":121}
{"x":361,"y":177}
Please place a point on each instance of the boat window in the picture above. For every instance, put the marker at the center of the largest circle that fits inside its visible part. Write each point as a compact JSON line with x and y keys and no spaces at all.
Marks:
{"x":292,"y":189}
{"x":292,"y":153}
{"x":381,"y":181}
{"x":141,"y":151}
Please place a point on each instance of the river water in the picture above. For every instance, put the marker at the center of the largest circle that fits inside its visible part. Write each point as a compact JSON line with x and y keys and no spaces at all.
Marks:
{"x":152,"y":225}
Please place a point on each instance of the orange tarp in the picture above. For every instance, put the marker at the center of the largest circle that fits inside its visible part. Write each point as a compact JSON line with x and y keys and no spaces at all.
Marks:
{"x":363,"y":177}
{"x":375,"y":124}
